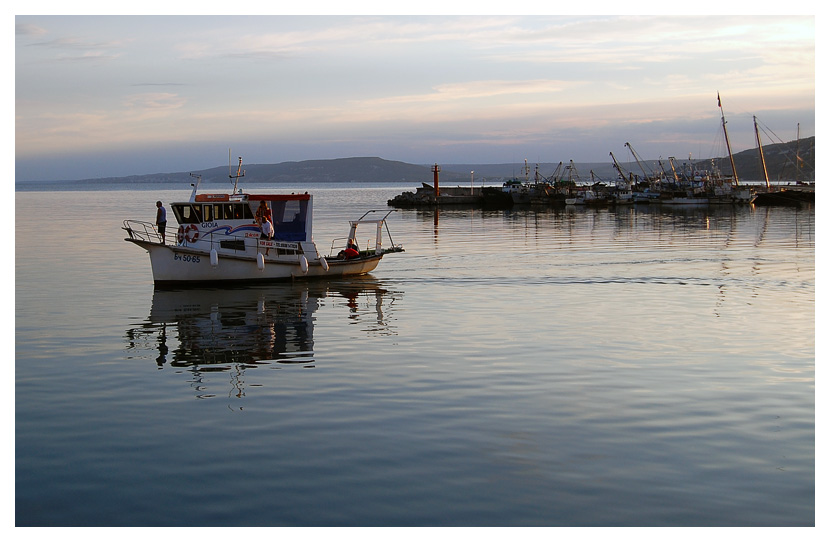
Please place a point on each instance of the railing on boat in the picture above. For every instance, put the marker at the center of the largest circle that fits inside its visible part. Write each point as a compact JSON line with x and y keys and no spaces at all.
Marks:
{"x":143,"y":231}
{"x":373,"y":245}
{"x":340,"y":244}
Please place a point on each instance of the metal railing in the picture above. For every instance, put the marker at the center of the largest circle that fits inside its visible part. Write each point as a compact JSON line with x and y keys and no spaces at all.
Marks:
{"x":143,"y":231}
{"x":341,"y":243}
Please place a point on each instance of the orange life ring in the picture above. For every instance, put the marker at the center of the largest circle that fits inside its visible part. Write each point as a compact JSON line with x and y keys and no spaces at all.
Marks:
{"x":191,"y":233}
{"x":180,"y":235}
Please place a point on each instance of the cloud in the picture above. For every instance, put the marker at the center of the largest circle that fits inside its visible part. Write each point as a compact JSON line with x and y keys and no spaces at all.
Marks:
{"x":646,"y":40}
{"x":327,"y":35}
{"x":71,"y":49}
{"x":473,"y":90}
{"x":143,"y":118}
{"x":153,"y":103}
{"x":22,"y":29}
{"x":160,"y":84}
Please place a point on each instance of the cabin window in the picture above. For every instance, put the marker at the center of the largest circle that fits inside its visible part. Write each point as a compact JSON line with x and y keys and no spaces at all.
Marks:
{"x":208,"y":212}
{"x":232,"y":211}
{"x":188,"y":214}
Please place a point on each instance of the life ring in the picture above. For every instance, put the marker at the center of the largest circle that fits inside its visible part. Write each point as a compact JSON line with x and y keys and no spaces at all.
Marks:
{"x":191,"y":233}
{"x":180,"y":235}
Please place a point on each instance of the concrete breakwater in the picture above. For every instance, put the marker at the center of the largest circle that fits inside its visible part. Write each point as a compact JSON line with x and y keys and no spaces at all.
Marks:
{"x":427,"y":196}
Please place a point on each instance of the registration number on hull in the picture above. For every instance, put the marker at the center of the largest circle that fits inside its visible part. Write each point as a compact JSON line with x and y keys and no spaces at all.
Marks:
{"x":186,"y":258}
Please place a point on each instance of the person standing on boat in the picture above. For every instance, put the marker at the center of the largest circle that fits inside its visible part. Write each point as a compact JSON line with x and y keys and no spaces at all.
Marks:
{"x":161,"y":219}
{"x":267,"y":231}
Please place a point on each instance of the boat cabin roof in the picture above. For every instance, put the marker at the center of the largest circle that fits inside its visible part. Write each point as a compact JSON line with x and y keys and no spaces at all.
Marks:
{"x":251,"y":197}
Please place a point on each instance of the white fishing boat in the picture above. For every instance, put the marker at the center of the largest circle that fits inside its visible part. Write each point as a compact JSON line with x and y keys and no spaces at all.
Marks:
{"x":219,"y":239}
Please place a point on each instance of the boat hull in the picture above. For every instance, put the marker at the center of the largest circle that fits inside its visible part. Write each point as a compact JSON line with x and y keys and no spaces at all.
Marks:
{"x":177,"y":265}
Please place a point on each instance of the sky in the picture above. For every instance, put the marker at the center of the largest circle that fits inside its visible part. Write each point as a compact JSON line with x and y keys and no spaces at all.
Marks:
{"x":119,"y":95}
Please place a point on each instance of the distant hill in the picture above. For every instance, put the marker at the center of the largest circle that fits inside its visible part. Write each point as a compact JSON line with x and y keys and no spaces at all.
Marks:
{"x":780,"y":159}
{"x":337,"y":170}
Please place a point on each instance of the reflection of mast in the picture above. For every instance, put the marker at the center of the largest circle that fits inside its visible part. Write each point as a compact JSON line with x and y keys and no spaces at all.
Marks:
{"x":761,"y":152}
{"x":728,"y":147}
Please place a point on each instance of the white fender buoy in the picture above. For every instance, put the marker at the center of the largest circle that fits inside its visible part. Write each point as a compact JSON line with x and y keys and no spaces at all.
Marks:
{"x":214,"y":257}
{"x":303,"y":264}
{"x":324,"y":264}
{"x":260,"y":261}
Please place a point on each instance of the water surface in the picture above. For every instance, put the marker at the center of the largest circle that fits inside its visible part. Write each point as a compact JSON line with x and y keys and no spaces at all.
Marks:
{"x":576,"y":367}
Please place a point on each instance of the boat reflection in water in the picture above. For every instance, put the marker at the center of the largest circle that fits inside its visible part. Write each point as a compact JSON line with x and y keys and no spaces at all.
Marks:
{"x":234,"y":329}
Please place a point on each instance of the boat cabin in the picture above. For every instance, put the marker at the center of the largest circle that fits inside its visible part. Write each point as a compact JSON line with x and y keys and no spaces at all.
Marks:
{"x":290,"y":214}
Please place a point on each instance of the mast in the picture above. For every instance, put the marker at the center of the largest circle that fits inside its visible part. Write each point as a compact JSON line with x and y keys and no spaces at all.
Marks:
{"x":557,"y":171}
{"x":195,"y":185}
{"x":572,"y":170}
{"x":761,"y":152}
{"x":239,"y":172}
{"x":728,"y":147}
{"x":797,"y":158}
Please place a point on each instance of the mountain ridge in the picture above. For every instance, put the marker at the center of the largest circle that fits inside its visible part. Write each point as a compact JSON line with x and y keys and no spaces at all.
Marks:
{"x":779,"y":158}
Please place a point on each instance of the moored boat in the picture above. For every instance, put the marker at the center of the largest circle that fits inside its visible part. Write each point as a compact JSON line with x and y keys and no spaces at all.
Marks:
{"x":219,"y":239}
{"x":793,"y":196}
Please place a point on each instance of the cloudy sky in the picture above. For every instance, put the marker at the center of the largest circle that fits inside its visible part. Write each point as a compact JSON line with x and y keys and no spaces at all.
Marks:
{"x":100,"y":96}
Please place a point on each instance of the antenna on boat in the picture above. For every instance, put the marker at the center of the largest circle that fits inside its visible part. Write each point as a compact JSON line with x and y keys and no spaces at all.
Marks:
{"x":239,"y":172}
{"x":195,"y":185}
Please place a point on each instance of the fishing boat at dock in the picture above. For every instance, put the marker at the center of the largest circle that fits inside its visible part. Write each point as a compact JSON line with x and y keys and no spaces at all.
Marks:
{"x":788,"y":196}
{"x":219,"y":240}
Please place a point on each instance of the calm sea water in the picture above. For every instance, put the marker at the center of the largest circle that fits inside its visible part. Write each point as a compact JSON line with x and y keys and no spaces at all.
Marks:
{"x":578,"y":367}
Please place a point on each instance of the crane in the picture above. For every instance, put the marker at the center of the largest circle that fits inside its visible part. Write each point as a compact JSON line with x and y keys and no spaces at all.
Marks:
{"x":646,"y":176}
